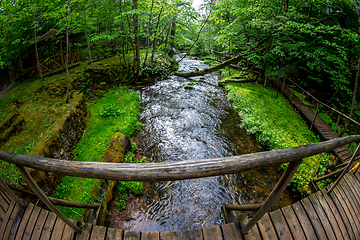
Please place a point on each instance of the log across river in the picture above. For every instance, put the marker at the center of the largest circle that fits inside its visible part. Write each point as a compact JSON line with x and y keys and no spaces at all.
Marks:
{"x":184,"y":122}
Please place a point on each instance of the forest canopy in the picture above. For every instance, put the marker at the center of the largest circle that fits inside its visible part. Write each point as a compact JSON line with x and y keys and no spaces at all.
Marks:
{"x":315,"y":43}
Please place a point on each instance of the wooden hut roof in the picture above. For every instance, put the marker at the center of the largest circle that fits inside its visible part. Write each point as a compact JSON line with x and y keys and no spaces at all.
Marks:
{"x":49,"y":34}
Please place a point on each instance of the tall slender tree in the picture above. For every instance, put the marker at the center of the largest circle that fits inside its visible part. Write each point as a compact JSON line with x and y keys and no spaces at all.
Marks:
{"x":67,"y":53}
{"x":35,"y":43}
{"x":87,"y":37}
{"x":137,"y":41}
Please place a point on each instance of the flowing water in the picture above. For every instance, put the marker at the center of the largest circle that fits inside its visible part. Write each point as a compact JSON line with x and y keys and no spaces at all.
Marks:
{"x":182,"y":123}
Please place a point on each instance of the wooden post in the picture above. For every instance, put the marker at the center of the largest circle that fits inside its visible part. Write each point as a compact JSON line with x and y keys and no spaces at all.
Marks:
{"x":337,"y":123}
{"x":313,"y":186}
{"x":282,"y":89}
{"x":45,"y":199}
{"x":302,"y":96}
{"x":346,"y":169}
{"x":274,"y":195}
{"x":265,"y":81}
{"x":61,"y":54}
{"x":313,"y":121}
{"x":10,"y":194}
{"x":292,"y":89}
{"x":77,"y":49}
{"x":247,"y":207}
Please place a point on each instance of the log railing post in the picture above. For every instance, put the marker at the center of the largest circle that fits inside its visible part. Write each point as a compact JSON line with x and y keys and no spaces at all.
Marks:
{"x":337,"y":123}
{"x":313,"y":121}
{"x":10,"y":193}
{"x":265,"y":80}
{"x":345,"y":170}
{"x":292,"y":92}
{"x":302,"y":96}
{"x":30,"y":181}
{"x":274,"y":195}
{"x":282,"y":88}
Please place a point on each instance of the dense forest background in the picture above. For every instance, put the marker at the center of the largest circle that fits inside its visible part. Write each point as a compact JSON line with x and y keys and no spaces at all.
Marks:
{"x":315,"y":43}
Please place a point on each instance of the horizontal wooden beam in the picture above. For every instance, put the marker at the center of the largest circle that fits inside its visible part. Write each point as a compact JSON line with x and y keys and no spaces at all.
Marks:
{"x":171,"y":171}
{"x":246,"y":207}
{"x":59,"y":202}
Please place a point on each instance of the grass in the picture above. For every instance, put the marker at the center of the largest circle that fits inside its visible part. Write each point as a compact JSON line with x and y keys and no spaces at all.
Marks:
{"x":38,"y":109}
{"x":276,"y":125}
{"x":95,"y":142}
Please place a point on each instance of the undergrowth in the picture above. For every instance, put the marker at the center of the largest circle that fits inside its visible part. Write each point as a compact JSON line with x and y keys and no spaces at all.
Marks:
{"x":102,"y":123}
{"x":276,"y":125}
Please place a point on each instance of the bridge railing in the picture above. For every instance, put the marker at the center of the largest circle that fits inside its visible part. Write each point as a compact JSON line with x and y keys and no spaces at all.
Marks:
{"x":304,"y":94}
{"x":172,"y":171}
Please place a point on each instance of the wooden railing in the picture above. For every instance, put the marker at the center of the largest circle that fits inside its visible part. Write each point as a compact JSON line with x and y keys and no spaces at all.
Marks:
{"x":57,"y":61}
{"x":173,"y":171}
{"x":303,"y":92}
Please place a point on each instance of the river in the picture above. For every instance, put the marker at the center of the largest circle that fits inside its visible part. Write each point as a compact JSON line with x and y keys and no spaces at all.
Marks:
{"x":184,"y":122}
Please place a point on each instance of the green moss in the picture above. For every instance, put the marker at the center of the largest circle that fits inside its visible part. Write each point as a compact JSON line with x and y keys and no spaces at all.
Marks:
{"x":276,"y":125}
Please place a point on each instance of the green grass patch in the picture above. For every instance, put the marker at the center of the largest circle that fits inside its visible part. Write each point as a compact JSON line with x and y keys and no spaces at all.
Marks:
{"x":117,"y":111}
{"x":276,"y":125}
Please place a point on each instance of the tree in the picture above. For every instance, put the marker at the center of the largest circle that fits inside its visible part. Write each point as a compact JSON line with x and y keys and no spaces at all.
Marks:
{"x":137,"y":42}
{"x":87,"y":38}
{"x":67,"y":53}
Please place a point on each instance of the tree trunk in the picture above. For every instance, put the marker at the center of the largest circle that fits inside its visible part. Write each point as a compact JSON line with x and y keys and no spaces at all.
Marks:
{"x":172,"y":37}
{"x":137,"y":42}
{"x":156,"y":29}
{"x":353,"y":100}
{"x":356,"y":85}
{"x":87,"y":38}
{"x":67,"y":53}
{"x":148,"y":34}
{"x":8,"y":50}
{"x":36,"y":49}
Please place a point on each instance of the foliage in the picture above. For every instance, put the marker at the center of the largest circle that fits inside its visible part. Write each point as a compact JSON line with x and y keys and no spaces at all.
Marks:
{"x":121,"y":204}
{"x":110,"y":110}
{"x":158,"y":67}
{"x":273,"y":122}
{"x":314,"y":43}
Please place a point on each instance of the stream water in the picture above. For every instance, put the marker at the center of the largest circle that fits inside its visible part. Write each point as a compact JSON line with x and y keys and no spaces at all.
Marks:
{"x":182,"y":123}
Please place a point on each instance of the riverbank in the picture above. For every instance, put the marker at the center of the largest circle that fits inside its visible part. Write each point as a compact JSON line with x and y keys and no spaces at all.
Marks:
{"x":112,"y":105}
{"x":273,"y":121}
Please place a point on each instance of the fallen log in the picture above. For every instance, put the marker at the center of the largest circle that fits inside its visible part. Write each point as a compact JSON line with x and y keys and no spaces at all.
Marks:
{"x":211,"y":69}
{"x":239,"y":81}
{"x":96,"y":60}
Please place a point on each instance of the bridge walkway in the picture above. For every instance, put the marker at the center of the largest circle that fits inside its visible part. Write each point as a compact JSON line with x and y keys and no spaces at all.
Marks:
{"x":319,"y":216}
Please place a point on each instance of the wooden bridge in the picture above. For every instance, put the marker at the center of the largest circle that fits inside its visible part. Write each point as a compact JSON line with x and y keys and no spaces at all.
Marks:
{"x":327,"y":214}
{"x":317,"y":124}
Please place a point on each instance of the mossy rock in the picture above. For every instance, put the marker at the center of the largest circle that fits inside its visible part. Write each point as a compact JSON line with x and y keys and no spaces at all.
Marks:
{"x":119,"y":144}
{"x":60,"y":139}
{"x":74,"y":119}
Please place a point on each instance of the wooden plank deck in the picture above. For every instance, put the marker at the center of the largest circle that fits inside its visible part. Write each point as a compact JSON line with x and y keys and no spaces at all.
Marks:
{"x":319,"y":216}
{"x":342,"y":153}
